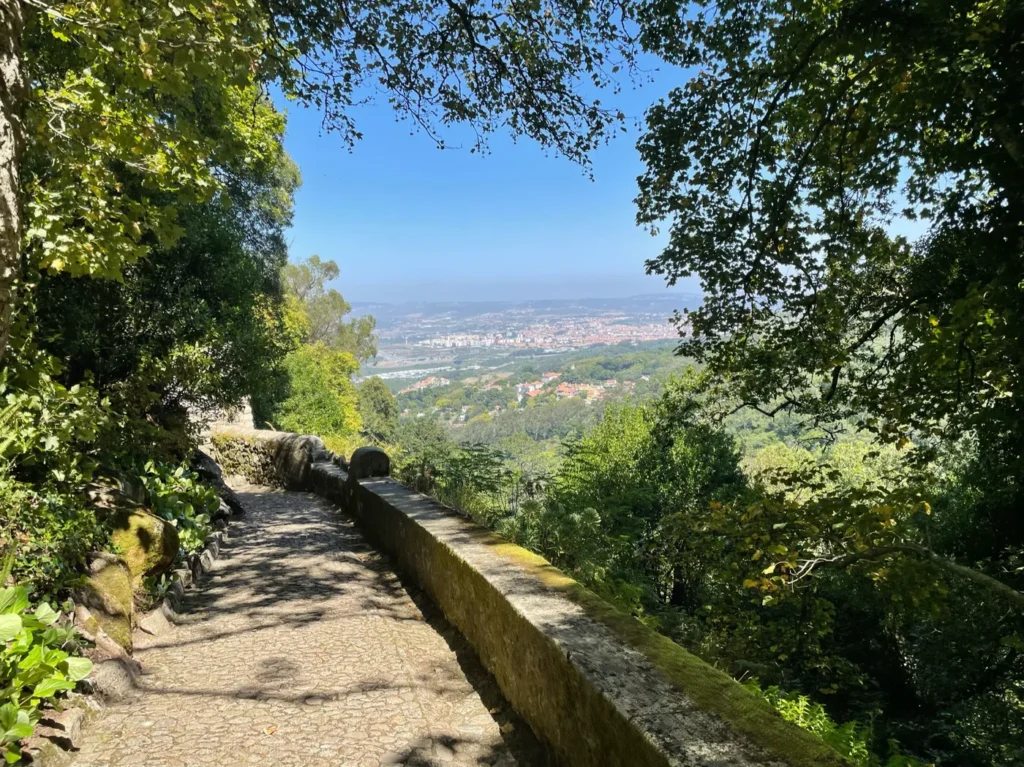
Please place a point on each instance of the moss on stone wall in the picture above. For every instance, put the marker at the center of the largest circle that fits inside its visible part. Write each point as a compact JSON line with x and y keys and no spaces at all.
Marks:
{"x":245,"y":455}
{"x":711,"y":689}
{"x":264,"y":457}
{"x":109,"y":595}
{"x":147,"y":544}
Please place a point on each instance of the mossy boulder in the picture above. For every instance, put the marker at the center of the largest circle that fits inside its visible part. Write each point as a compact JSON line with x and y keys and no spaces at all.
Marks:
{"x":109,"y":594}
{"x":147,"y":544}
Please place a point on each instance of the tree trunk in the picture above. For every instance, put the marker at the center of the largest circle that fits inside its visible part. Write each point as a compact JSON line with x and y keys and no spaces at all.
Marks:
{"x":12,"y":94}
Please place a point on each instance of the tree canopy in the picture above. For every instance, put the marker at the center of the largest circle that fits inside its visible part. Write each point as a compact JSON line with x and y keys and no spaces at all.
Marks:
{"x":325,"y":309}
{"x":378,"y":409}
{"x":785,"y":168}
{"x":847,"y":181}
{"x":87,"y":88}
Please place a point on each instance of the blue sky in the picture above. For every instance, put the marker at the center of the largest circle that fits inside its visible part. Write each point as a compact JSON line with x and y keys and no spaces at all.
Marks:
{"x":406,"y":221}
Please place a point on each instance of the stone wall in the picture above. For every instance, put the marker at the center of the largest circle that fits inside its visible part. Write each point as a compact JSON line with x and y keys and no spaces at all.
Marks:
{"x":596,"y":684}
{"x":220,"y":420}
{"x":263,"y":457}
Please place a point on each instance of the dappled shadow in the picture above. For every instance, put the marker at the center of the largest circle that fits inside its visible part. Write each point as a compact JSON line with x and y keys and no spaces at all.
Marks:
{"x":519,"y":739}
{"x":665,"y":696}
{"x":442,"y":750}
{"x":294,"y":563}
{"x":291,"y":557}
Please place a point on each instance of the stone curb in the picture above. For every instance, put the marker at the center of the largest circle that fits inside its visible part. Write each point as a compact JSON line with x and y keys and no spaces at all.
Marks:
{"x":59,"y":732}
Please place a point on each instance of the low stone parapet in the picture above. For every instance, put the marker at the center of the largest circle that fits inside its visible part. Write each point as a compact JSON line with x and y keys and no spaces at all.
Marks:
{"x":597,"y":685}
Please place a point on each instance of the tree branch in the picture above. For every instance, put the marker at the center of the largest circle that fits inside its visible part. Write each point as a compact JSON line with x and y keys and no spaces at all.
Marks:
{"x":1016,"y":598}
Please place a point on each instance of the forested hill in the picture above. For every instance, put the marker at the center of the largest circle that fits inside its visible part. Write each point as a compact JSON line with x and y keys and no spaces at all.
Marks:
{"x":820,"y":493}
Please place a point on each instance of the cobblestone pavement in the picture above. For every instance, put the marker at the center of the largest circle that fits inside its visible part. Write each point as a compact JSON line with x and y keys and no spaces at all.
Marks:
{"x":302,"y":647}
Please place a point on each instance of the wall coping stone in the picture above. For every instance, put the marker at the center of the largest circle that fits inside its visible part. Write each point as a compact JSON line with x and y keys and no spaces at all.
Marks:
{"x":609,"y":701}
{"x":369,"y":462}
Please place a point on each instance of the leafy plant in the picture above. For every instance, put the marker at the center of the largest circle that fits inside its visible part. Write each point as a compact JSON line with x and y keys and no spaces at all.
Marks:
{"x":850,"y":739}
{"x":48,"y":531}
{"x":36,"y":665}
{"x":320,"y":396}
{"x":177,"y":495}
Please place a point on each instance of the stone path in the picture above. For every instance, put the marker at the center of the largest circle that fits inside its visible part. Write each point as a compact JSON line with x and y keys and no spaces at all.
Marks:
{"x":303,"y":648}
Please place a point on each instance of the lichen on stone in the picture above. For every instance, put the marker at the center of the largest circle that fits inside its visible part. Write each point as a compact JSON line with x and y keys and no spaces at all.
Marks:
{"x":109,"y":594}
{"x":147,"y":544}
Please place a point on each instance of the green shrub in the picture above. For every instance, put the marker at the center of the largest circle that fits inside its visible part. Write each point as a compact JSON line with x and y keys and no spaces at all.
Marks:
{"x":47,"y":431}
{"x":177,"y":495}
{"x":36,"y":664}
{"x":851,"y":739}
{"x":48,"y":533}
{"x":321,"y":397}
{"x":48,"y":435}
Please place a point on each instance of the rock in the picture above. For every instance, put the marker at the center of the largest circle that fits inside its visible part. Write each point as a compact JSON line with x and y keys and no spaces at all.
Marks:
{"x":168,"y":611}
{"x":108,"y":595}
{"x":62,"y":727}
{"x":56,"y":734}
{"x":155,"y":622}
{"x":115,"y":679}
{"x":211,"y":473}
{"x":206,"y":560}
{"x":176,"y":593}
{"x":147,"y":543}
{"x":107,"y":498}
{"x":294,"y":455}
{"x":183,"y":576}
{"x":114,"y":671}
{"x":228,"y":496}
{"x":369,"y":462}
{"x":222,"y":513}
{"x":207,"y":468}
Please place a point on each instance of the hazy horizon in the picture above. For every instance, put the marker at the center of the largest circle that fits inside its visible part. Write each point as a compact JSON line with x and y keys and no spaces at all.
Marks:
{"x":540,"y":288}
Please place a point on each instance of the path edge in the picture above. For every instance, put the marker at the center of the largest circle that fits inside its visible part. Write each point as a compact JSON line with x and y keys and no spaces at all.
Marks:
{"x":57,"y":737}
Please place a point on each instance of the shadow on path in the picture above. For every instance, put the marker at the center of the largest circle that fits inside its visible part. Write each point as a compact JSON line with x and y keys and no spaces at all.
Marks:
{"x":304,"y":647}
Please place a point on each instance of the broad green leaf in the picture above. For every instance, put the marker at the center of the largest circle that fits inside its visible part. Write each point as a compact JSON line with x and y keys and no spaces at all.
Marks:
{"x":10,"y":627}
{"x":18,"y":731}
{"x":9,"y":714}
{"x":78,"y":668}
{"x":51,"y":686}
{"x":13,"y":600}
{"x":34,"y":657}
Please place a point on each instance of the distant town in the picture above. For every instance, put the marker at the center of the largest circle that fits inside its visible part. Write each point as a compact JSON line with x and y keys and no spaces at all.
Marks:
{"x":548,"y":383}
{"x":560,"y":334}
{"x":427,"y":341}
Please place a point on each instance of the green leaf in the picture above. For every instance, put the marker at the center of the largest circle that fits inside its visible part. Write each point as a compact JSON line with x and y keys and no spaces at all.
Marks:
{"x":9,"y":715}
{"x":51,"y":686}
{"x":78,"y":668}
{"x":13,"y":600}
{"x":45,"y":614}
{"x":18,"y":731}
{"x":10,"y":627}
